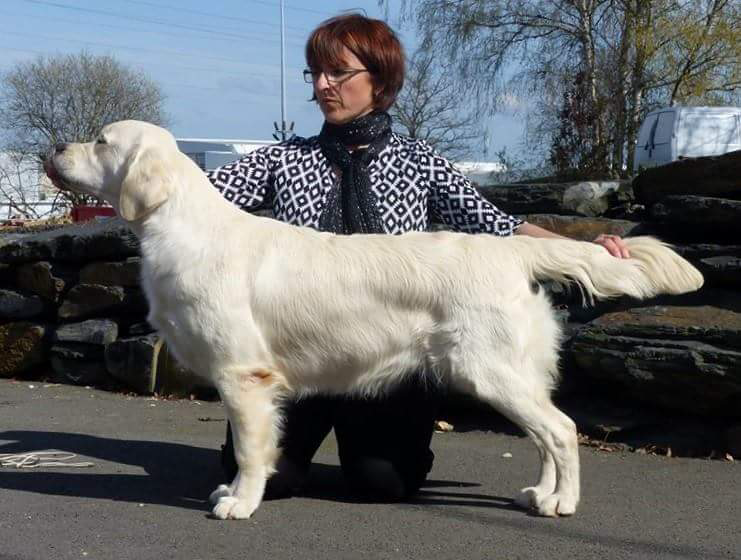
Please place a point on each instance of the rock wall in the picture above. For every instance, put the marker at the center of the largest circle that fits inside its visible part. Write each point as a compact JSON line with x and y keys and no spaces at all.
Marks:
{"x":668,"y":369}
{"x":681,"y":353}
{"x":71,"y":309}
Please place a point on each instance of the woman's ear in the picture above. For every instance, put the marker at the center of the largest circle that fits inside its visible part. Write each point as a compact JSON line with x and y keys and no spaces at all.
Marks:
{"x":377,"y":91}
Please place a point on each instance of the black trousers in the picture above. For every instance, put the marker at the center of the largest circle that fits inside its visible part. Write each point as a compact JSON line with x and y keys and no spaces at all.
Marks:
{"x":383,"y":443}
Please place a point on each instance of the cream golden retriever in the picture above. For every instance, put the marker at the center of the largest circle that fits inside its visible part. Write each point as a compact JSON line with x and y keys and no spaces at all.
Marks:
{"x":264,"y":309}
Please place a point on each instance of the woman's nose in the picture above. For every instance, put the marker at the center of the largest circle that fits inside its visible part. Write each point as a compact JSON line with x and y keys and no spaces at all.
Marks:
{"x":321,"y":81}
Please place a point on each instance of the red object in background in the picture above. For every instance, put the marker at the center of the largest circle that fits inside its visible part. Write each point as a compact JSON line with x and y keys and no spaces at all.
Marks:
{"x":85,"y":213}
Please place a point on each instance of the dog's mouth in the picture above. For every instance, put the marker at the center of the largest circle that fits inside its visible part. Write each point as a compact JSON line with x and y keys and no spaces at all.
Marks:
{"x":56,"y":178}
{"x":51,"y":171}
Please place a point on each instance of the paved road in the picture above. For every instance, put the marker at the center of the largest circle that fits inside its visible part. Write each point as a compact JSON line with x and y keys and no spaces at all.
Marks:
{"x":155,"y":462}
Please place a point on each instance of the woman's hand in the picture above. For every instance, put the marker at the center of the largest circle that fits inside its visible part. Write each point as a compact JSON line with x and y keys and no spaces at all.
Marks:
{"x":614,"y":245}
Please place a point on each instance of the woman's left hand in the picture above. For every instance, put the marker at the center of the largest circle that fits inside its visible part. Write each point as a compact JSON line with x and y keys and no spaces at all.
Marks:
{"x":614,"y":245}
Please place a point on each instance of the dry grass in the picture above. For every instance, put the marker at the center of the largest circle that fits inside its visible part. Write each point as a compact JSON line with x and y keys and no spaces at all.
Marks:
{"x":29,"y":226}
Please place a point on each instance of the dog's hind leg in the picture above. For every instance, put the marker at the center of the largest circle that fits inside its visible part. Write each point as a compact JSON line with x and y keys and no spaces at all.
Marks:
{"x":249,"y":397}
{"x":513,"y":394}
{"x":557,"y":434}
{"x":529,"y":497}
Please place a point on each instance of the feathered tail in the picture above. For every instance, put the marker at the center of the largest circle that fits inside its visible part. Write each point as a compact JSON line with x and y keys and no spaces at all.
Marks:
{"x":652,"y":269}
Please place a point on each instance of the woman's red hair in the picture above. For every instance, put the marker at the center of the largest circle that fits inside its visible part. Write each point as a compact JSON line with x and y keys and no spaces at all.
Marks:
{"x":372,"y":41}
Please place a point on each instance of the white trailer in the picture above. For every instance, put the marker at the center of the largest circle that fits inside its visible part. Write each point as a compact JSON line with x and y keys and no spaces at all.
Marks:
{"x":673,"y":133}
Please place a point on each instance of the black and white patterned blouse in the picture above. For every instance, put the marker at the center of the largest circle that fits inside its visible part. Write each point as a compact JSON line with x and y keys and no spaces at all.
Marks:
{"x":411,"y":182}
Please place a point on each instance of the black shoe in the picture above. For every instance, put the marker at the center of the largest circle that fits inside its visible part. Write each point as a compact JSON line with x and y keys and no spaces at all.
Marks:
{"x":374,"y":479}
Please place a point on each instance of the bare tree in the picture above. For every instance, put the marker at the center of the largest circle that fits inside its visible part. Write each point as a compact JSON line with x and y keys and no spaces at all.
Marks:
{"x":23,"y":192}
{"x":482,"y":39}
{"x":620,"y":58}
{"x":69,"y":98}
{"x":429,"y":108}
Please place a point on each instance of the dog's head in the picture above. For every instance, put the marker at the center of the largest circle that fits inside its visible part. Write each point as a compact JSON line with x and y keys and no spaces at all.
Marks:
{"x":129,"y":165}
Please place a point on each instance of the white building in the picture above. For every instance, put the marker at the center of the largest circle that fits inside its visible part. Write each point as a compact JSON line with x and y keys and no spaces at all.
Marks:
{"x":210,"y":153}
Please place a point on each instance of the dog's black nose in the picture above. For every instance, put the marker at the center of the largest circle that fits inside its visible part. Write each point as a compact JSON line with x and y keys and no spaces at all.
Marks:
{"x":59,"y":148}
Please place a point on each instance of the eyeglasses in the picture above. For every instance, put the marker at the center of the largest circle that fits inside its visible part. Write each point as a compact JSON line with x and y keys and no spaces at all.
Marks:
{"x":333,"y":76}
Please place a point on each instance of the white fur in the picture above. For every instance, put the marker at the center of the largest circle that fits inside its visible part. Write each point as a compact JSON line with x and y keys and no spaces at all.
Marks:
{"x":264,"y":309}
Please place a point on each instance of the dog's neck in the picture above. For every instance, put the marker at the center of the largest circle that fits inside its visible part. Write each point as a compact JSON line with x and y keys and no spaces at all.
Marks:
{"x":192,"y":209}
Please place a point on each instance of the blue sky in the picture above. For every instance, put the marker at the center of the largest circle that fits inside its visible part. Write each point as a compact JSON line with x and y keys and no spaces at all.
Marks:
{"x":217,"y":62}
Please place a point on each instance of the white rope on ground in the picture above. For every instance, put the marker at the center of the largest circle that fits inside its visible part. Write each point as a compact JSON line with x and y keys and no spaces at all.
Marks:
{"x":40,"y":459}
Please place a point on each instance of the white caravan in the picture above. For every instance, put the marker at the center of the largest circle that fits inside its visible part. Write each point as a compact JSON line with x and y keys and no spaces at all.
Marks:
{"x":673,"y":133}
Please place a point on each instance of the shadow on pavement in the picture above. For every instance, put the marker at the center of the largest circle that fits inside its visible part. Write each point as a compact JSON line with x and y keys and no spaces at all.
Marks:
{"x":176,"y":474}
{"x":326,"y":482}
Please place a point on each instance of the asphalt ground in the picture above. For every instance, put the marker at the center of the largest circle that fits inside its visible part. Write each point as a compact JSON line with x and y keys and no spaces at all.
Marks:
{"x":155,"y":462}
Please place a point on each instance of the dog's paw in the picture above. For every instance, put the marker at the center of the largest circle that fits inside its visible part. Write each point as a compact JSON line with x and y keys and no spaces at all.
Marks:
{"x":229,"y":507}
{"x":529,"y":497}
{"x":222,"y":491}
{"x":556,"y":504}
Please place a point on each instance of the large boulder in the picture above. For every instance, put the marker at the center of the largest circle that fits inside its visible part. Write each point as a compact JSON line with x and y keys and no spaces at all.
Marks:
{"x":93,"y":331}
{"x":696,"y":252}
{"x":7,"y":275}
{"x":526,"y":199}
{"x":133,"y":362}
{"x":85,"y":300}
{"x":594,"y":198}
{"x":70,"y":366}
{"x":124,"y":273}
{"x":46,"y":279}
{"x":14,"y":305}
{"x":692,"y":218}
{"x":144,"y":364}
{"x":585,"y":229}
{"x":77,"y":353}
{"x":722,"y":271}
{"x":173,"y":379}
{"x":588,"y":198}
{"x":713,"y":176}
{"x":719,"y":264}
{"x":685,"y":358}
{"x":94,"y":300}
{"x":90,"y":241}
{"x":22,"y":346}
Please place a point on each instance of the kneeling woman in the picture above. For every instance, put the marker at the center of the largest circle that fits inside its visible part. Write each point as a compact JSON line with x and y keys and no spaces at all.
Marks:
{"x":357,"y":176}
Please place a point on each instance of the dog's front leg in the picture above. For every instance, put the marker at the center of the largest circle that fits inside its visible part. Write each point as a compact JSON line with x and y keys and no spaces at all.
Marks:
{"x":249,"y":399}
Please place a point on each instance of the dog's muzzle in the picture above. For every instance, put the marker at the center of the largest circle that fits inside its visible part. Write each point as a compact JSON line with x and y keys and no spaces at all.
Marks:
{"x":51,"y":171}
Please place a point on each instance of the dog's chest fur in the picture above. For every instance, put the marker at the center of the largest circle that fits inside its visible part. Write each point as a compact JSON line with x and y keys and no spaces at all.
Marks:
{"x":182,"y":292}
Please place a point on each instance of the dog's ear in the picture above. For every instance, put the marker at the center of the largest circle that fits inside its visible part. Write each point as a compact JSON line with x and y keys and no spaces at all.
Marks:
{"x":146,"y":185}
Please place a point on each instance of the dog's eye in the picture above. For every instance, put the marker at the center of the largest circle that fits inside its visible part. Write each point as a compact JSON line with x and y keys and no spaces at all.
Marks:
{"x":101,"y":140}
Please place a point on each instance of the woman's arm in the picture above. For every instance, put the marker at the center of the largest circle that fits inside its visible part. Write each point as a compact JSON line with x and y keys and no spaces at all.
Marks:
{"x":536,"y":231}
{"x":613,"y":243}
{"x":461,"y":206}
{"x":247,"y":182}
{"x":454,"y":200}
